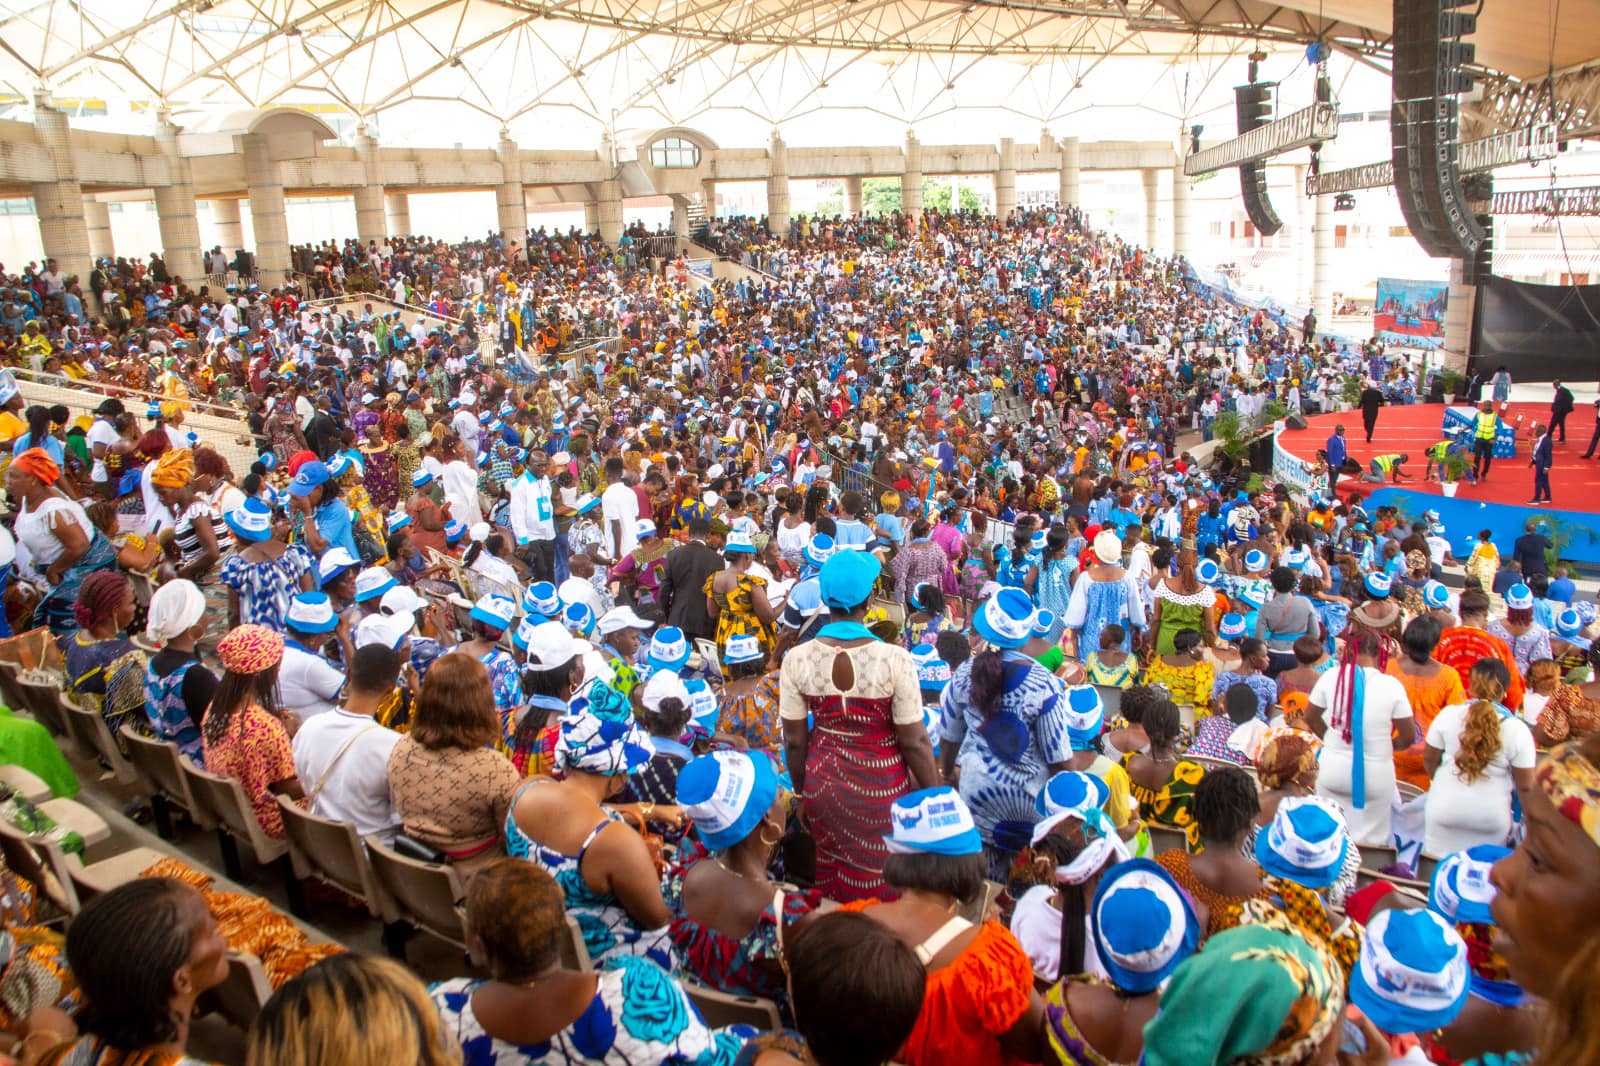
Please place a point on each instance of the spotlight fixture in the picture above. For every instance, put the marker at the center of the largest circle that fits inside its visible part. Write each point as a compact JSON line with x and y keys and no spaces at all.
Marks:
{"x":1194,"y":138}
{"x":1344,"y":202}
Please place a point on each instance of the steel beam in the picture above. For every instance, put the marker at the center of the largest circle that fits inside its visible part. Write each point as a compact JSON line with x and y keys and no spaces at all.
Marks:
{"x":1486,"y":153}
{"x":1308,"y":126}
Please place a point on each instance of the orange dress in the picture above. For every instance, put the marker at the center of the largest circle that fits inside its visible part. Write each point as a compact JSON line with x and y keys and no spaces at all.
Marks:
{"x":1428,"y":696}
{"x":970,"y":1003}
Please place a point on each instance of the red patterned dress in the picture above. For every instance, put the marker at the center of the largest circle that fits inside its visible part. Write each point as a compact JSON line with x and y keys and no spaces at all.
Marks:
{"x":854,"y":770}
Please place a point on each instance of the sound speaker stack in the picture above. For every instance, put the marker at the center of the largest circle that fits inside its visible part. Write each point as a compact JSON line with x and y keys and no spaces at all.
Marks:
{"x":1253,"y":107}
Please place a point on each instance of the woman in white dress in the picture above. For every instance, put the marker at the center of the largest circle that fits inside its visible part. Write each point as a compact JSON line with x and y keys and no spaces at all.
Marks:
{"x":1478,"y":753}
{"x":1364,"y":717}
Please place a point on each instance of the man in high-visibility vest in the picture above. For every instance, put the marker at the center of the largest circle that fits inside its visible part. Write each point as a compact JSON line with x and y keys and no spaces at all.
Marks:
{"x":1484,"y":427}
{"x":1385,"y":467}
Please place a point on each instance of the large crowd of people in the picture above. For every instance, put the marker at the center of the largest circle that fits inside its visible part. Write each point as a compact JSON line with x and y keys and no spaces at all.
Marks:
{"x":858,"y":633}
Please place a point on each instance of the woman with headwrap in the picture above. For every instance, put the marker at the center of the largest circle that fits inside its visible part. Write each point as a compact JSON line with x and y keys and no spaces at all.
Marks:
{"x":57,"y":545}
{"x":201,"y":535}
{"x":177,"y":689}
{"x":105,"y":670}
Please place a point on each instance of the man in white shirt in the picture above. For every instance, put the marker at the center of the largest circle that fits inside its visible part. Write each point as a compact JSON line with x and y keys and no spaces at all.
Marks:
{"x":102,"y":434}
{"x":533,"y":517}
{"x":619,"y":510}
{"x":460,"y":484}
{"x":466,"y":424}
{"x":342,"y":757}
{"x":308,"y":684}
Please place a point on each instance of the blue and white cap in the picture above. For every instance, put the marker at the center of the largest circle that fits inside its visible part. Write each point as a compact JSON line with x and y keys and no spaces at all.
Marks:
{"x":1255,"y":561}
{"x":1253,"y":593}
{"x":934,"y":821}
{"x":1306,"y":842}
{"x":1378,"y":585}
{"x":524,"y":631}
{"x":1208,"y":572}
{"x":421,"y":478}
{"x":1085,"y":714}
{"x":1231,"y":627}
{"x":1568,"y":624}
{"x":9,"y":388}
{"x":496,"y":612}
{"x":702,"y":703}
{"x":818,"y":549}
{"x":579,"y":617}
{"x":1519,"y":597}
{"x":1005,"y":619}
{"x":1297,"y":558}
{"x":739,"y":542}
{"x":312,"y":612}
{"x":373,"y":582}
{"x":540,"y":598}
{"x":1412,"y":976}
{"x":1044,"y":620}
{"x":669,"y":649}
{"x":1461,"y":889}
{"x":1436,"y":595}
{"x":1068,"y":794}
{"x":743,"y":648}
{"x":1143,"y":925}
{"x":1037,"y":541}
{"x":397,"y":520}
{"x":333,"y":562}
{"x":339,"y":464}
{"x":933,"y":673}
{"x":251,"y":521}
{"x":727,"y":794}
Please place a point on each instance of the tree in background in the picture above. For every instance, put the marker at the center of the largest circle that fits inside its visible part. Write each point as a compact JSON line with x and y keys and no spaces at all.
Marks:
{"x":936,"y":196}
{"x":880,"y":196}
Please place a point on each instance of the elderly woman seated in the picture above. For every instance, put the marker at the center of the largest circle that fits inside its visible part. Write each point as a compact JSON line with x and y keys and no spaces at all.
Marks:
{"x":105,"y":670}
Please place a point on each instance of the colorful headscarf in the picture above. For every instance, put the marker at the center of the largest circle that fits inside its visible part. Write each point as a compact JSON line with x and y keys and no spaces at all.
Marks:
{"x":37,"y":461}
{"x":1284,"y":758}
{"x":599,"y":735}
{"x":250,"y":649}
{"x":1255,"y":995}
{"x":1572,"y":784}
{"x":174,"y":469}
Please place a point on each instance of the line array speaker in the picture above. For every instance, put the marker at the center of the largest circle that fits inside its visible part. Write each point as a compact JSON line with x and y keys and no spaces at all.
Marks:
{"x":1253,"y":108}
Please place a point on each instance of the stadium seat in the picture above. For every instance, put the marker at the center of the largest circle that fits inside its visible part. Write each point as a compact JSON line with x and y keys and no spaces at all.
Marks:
{"x":722,"y":1008}
{"x":424,"y":895}
{"x":329,"y":851}
{"x":1166,"y":838}
{"x":40,"y":698}
{"x":159,"y":767}
{"x":1111,"y":696}
{"x":241,"y":995}
{"x":224,"y":801}
{"x":574,"y":952}
{"x":24,"y":783}
{"x":70,"y":814}
{"x":88,"y":730}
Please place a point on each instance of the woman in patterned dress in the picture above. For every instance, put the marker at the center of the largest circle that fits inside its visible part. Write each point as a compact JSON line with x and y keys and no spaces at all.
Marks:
{"x":533,"y":1009}
{"x":245,"y":733}
{"x":265,"y":573}
{"x":738,"y":599}
{"x":382,"y":476}
{"x":607,"y":877}
{"x":866,"y":745}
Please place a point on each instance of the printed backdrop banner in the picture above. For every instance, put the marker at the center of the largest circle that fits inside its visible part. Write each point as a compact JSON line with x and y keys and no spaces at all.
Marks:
{"x":1410,"y":313}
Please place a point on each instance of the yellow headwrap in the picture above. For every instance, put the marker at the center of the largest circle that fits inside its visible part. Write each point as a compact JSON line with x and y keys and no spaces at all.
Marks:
{"x":174,"y":469}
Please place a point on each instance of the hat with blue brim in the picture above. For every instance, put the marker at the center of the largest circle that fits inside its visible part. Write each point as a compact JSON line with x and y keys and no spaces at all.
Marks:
{"x":1568,"y":624}
{"x":372,"y":583}
{"x":251,"y":520}
{"x":932,"y":821}
{"x":454,"y":530}
{"x":540,"y":598}
{"x":1085,"y":714}
{"x":1208,"y":572}
{"x":1255,"y":561}
{"x":1231,"y":626}
{"x":1378,"y":585}
{"x":578,"y":617}
{"x":818,"y":549}
{"x":311,"y":612}
{"x":742,"y":648}
{"x":1006,"y":619}
{"x":1412,"y":976}
{"x":726,"y":794}
{"x":1143,"y":925}
{"x":1519,"y":597}
{"x":847,"y":579}
{"x":1460,"y":888}
{"x":333,"y":562}
{"x":497,"y":612}
{"x":933,"y":673}
{"x":1067,"y":794}
{"x":421,"y":478}
{"x":1436,"y":595}
{"x":1306,"y":842}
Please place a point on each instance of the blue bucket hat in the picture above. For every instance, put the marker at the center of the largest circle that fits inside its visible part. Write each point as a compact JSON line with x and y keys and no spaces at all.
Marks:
{"x":847,"y":579}
{"x":1412,"y":976}
{"x":252,"y":520}
{"x":496,"y":612}
{"x":818,"y":549}
{"x":669,"y":649}
{"x":1568,"y":623}
{"x":1044,"y":620}
{"x":1519,"y":597}
{"x":579,"y":617}
{"x":1436,"y":595}
{"x":311,"y":612}
{"x":540,"y":598}
{"x":1378,"y":585}
{"x":1208,"y":572}
{"x":1085,"y":714}
{"x":933,"y":673}
{"x":1006,"y":619}
{"x":727,"y":794}
{"x":1460,"y":888}
{"x":1306,"y":842}
{"x":1068,"y":794}
{"x":1255,"y":561}
{"x":454,"y":530}
{"x":932,"y":821}
{"x":1143,"y":924}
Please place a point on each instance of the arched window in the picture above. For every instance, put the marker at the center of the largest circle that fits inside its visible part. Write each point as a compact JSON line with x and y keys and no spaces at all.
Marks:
{"x":674,"y":153}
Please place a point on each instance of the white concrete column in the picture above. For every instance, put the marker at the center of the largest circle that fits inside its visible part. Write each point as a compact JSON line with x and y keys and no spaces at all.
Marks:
{"x":59,"y":204}
{"x":1458,"y":310}
{"x":591,"y":217}
{"x":230,"y":227}
{"x":268,"y":217}
{"x":1182,"y":230}
{"x":371,"y":223}
{"x":513,"y":213}
{"x":911,"y":178}
{"x":397,"y":211}
{"x":609,"y":211}
{"x":1152,"y":201}
{"x":778,"y":187}
{"x":1322,"y":261}
{"x":1304,"y":242}
{"x":680,"y":217}
{"x":1070,"y":171}
{"x":1005,"y":180}
{"x":176,"y":215}
{"x":852,"y":196}
{"x":97,"y":215}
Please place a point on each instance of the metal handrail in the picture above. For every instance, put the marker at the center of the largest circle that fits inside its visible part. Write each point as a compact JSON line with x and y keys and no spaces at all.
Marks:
{"x":62,"y":381}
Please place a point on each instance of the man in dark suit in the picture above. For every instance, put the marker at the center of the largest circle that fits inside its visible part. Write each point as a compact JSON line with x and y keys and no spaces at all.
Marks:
{"x":1560,"y":407}
{"x":1371,"y":400}
{"x":1543,"y":456}
{"x":683,"y":582}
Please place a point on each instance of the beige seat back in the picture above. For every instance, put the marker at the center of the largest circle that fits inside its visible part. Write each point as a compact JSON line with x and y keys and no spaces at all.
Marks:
{"x":88,"y":730}
{"x":31,"y":858}
{"x":242,"y":993}
{"x":329,"y":851}
{"x":722,"y":1008}
{"x":1111,"y":697}
{"x":159,"y":766}
{"x":574,"y":952}
{"x":424,"y":894}
{"x":1166,"y":838}
{"x":225,"y":800}
{"x":42,"y":701}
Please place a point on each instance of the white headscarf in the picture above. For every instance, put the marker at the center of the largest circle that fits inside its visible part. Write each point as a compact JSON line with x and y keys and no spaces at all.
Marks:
{"x":174,"y":609}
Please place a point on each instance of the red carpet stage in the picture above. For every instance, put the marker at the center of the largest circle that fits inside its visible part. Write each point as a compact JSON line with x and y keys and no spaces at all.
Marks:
{"x":1500,"y":504}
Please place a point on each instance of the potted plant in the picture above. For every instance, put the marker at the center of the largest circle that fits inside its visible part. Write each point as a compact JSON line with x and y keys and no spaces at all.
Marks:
{"x":1455,"y":468}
